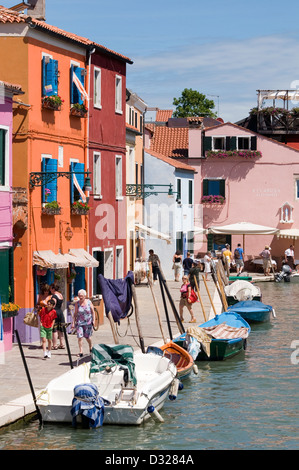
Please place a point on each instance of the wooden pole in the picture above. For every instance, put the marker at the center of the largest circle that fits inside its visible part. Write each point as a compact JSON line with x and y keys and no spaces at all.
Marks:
{"x":158,"y":311}
{"x":165,"y":306}
{"x":200,"y":299}
{"x":111,"y":321}
{"x":209,"y":295}
{"x":137,"y":318}
{"x":175,"y":312}
{"x":224,"y":301}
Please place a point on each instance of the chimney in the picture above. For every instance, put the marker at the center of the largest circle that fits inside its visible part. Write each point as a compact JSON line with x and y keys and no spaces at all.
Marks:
{"x":37,"y":9}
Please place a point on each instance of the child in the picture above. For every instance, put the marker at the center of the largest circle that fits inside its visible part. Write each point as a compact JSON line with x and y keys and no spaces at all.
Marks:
{"x":47,"y":318}
{"x":185,"y":293}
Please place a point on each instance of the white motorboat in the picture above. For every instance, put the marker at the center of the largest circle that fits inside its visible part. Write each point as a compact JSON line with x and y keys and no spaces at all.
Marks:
{"x":126,"y":401}
{"x":240,"y":291}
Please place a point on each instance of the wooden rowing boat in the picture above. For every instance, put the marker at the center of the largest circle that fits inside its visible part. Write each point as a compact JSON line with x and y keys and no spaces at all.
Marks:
{"x":180,"y":357}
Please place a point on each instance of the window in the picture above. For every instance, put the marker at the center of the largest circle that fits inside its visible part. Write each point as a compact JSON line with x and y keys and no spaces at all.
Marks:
{"x":118,"y":177}
{"x":97,"y":88}
{"x":190,"y":192}
{"x":218,"y":143}
{"x":243,"y":143}
{"x":213,"y":187}
{"x":119,"y":264}
{"x":118,"y":94}
{"x":97,"y":174}
{"x":76,"y":96}
{"x":4,"y":155}
{"x":49,"y":191}
{"x":49,"y":76}
{"x":179,"y":189}
{"x":297,"y":188}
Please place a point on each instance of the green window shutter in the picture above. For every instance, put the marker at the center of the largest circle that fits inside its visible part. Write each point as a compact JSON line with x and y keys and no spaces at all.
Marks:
{"x":233,"y":143}
{"x":190,"y":201}
{"x":210,"y":241}
{"x":227,"y":143}
{"x":2,"y":157}
{"x":205,"y":187}
{"x":253,"y":143}
{"x":222,"y":188}
{"x":4,"y":276}
{"x":179,"y":188}
{"x":207,"y":143}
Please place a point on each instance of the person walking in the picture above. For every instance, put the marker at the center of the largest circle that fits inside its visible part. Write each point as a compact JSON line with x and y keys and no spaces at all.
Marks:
{"x":289,"y":257}
{"x":194,"y":273}
{"x":187,"y":264}
{"x":227,"y":258}
{"x":239,"y":259}
{"x":57,"y":330}
{"x":155,"y":262}
{"x":266,"y":257}
{"x":47,"y":319}
{"x":177,"y":261}
{"x":83,"y":320}
{"x":185,"y":293}
{"x":207,"y":262}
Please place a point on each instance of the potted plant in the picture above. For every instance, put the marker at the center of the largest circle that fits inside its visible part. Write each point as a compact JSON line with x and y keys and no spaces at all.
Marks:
{"x":51,"y":208}
{"x":212,"y":199}
{"x":53,"y":102}
{"x":57,"y":277}
{"x":71,"y":276}
{"x":41,"y":271}
{"x":78,"y":110}
{"x":79,"y":208}
{"x":10,"y":310}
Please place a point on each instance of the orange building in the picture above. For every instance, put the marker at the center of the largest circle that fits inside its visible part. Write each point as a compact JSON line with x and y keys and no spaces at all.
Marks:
{"x":49,"y":157}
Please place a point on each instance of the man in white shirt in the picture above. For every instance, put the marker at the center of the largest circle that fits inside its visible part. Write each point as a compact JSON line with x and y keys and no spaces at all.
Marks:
{"x":289,"y":257}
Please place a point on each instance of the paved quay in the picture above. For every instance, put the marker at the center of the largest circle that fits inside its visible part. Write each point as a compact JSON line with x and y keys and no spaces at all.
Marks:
{"x":15,"y":394}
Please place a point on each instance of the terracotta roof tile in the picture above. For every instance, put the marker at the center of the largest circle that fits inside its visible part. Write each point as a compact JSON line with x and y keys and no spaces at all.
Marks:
{"x":17,"y":89}
{"x":10,"y":16}
{"x":171,"y":141}
{"x":162,"y":115}
{"x":171,"y":161}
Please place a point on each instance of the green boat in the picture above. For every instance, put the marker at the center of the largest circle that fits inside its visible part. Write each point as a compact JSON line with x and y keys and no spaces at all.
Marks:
{"x":221,"y":349}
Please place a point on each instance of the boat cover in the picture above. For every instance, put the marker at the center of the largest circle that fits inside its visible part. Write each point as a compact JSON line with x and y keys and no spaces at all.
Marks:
{"x":88,"y":403}
{"x":242,"y":290}
{"x":249,"y":306}
{"x":224,"y":331}
{"x":117,"y":295}
{"x":106,"y":355}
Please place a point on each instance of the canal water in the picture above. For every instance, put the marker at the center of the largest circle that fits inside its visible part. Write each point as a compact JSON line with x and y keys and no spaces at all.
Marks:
{"x":249,"y":402}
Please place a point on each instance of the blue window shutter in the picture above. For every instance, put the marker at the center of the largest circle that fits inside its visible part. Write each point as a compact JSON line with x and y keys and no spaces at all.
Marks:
{"x":75,"y":95}
{"x":75,"y":168}
{"x":79,"y":279}
{"x":50,"y":76}
{"x":49,"y":165}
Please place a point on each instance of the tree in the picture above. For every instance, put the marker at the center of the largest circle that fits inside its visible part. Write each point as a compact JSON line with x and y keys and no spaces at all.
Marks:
{"x":192,"y":103}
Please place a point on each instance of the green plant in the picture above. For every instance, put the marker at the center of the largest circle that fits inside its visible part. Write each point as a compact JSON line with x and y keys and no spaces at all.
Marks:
{"x":52,"y":205}
{"x":10,"y":307}
{"x":53,"y":100}
{"x":79,"y":107}
{"x":82,"y":206}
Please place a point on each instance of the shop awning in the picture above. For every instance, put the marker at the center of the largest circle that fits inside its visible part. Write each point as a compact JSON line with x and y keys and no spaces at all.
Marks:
{"x":48,"y":259}
{"x":289,"y":233}
{"x":81,"y":257}
{"x":244,"y":228}
{"x":200,"y":230}
{"x":153,"y":233}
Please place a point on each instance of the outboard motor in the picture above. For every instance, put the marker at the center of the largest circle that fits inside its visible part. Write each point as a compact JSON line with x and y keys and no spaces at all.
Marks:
{"x":285,"y":273}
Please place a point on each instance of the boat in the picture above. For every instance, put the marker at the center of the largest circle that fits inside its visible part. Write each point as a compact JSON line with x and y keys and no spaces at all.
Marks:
{"x":183,"y":361}
{"x":220,"y":338}
{"x":253,"y":311}
{"x":130,"y":391}
{"x":241,"y":290}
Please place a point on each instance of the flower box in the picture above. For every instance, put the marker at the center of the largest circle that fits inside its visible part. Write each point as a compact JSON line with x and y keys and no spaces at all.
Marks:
{"x":247,"y":154}
{"x":52,"y":102}
{"x":79,"y":208}
{"x":78,"y":111}
{"x":51,"y":208}
{"x":10,"y":310}
{"x":211,"y":199}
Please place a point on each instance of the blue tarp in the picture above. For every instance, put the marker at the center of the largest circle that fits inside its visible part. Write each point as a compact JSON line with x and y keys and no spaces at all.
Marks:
{"x":88,"y":403}
{"x":117,"y":295}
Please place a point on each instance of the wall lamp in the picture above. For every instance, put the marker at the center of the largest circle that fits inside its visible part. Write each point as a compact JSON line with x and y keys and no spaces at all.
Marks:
{"x":42,"y":178}
{"x":139,"y":191}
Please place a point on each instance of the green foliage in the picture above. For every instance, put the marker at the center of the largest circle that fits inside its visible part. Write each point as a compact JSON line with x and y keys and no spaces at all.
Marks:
{"x":192,"y":103}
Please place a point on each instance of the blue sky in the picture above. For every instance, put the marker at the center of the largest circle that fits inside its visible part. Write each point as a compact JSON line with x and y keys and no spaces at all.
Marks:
{"x":224,"y":48}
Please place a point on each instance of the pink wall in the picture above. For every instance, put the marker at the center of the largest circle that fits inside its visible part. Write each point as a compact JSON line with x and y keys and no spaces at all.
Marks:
{"x":255,"y":189}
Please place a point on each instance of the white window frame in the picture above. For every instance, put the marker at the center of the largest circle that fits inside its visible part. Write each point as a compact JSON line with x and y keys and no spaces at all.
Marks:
{"x":218,"y":137}
{"x":118,"y":94}
{"x":97,"y":88}
{"x":5,"y":186}
{"x":97,"y":175}
{"x":118,"y":177}
{"x":119,"y":262}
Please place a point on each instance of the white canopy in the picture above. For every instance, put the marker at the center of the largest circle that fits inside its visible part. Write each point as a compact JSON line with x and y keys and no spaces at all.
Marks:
{"x":285,"y":95}
{"x":153,"y":233}
{"x":289,"y":233}
{"x":244,"y":228}
{"x":48,"y":259}
{"x":200,"y":230}
{"x":81,"y":257}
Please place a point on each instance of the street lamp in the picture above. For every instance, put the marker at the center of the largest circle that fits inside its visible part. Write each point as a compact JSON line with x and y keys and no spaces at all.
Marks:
{"x":42,"y":178}
{"x":139,"y":191}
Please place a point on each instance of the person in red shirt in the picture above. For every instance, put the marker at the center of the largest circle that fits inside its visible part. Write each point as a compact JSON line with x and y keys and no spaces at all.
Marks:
{"x":47,"y":318}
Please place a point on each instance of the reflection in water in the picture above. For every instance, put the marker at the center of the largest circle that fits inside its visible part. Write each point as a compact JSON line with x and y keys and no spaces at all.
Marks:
{"x":247,"y":402}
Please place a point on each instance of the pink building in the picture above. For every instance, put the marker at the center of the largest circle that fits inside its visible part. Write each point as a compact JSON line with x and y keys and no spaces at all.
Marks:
{"x":253,"y":179}
{"x":7,"y":92}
